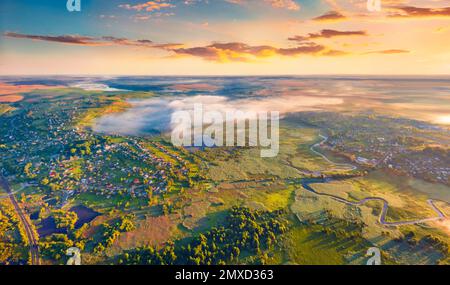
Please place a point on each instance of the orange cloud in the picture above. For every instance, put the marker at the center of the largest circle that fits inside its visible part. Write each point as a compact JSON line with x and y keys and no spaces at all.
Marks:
{"x":219,"y":52}
{"x":285,"y":4}
{"x":416,"y":12}
{"x":149,"y":6}
{"x":331,"y":16}
{"x":388,"y":51}
{"x":66,"y":39}
{"x":92,"y":41}
{"x":282,"y":4}
{"x":327,"y":33}
{"x":226,"y":52}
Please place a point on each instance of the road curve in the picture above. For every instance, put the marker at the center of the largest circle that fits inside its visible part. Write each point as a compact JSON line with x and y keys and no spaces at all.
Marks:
{"x":34,"y":248}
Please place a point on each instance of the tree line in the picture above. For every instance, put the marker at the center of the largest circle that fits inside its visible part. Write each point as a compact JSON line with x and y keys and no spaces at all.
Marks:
{"x":245,"y":233}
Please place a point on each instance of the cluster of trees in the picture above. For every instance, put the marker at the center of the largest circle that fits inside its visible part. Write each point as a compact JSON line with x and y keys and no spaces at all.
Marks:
{"x":343,"y":233}
{"x":85,"y":147}
{"x":171,"y":206}
{"x":6,"y":222}
{"x":12,"y":237}
{"x":432,"y":241}
{"x":65,"y":219}
{"x":437,"y":151}
{"x":6,"y":253}
{"x":28,"y":170}
{"x":436,"y":243}
{"x":343,"y":229}
{"x":244,"y":231}
{"x":112,"y":232}
{"x":81,"y":148}
{"x":54,"y":247}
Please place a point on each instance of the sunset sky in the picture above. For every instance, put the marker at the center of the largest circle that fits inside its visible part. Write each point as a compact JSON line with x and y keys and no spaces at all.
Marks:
{"x":224,"y":37}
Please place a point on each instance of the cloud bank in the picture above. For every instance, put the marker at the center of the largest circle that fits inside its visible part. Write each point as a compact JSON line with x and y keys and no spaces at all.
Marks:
{"x":154,"y":115}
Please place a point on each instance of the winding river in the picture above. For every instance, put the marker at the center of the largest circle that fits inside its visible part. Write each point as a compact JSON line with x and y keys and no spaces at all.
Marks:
{"x":306,"y":184}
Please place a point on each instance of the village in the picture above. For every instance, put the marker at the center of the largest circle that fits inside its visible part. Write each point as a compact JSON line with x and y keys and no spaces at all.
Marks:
{"x":61,"y":161}
{"x":389,"y":144}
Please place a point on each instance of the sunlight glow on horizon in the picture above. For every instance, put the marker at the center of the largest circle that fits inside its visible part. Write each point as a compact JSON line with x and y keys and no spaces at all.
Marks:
{"x":250,"y":39}
{"x":443,"y":120}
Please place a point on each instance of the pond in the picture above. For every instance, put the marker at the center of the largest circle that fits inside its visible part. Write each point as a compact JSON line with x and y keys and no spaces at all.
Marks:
{"x":85,"y":215}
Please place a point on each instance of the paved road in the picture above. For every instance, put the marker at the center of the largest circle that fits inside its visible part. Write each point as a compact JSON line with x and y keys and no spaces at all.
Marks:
{"x":34,"y":248}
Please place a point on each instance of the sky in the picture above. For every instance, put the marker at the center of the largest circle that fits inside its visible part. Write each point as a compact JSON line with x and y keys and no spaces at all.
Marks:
{"x":225,"y":37}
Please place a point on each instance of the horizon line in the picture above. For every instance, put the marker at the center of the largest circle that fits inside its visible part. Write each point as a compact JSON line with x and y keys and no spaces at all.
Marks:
{"x":220,"y":75}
